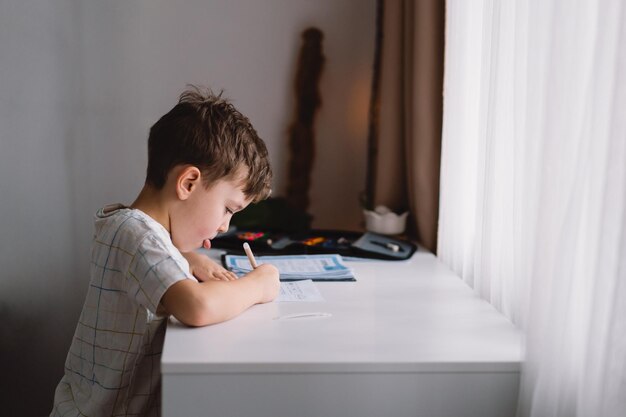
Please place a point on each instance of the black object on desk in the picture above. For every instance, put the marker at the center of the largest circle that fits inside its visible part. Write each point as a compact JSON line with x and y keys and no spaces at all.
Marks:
{"x":316,"y":241}
{"x":385,"y":246}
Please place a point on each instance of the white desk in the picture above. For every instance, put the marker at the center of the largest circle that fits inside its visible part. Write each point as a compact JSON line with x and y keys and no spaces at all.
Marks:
{"x":407,"y":338}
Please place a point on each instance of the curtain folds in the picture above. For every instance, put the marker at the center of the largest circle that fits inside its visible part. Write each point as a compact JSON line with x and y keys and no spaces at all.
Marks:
{"x":533,"y":188}
{"x":410,"y":112}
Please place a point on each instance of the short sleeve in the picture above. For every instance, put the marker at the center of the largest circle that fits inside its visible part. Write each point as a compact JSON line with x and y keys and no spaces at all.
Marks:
{"x":153,"y":269}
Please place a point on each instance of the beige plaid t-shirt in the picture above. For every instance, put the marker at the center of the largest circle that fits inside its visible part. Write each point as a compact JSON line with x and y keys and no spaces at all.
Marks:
{"x":113,"y":365}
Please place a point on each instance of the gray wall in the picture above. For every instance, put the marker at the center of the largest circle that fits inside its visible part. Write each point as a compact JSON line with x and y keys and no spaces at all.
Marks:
{"x":80,"y":84}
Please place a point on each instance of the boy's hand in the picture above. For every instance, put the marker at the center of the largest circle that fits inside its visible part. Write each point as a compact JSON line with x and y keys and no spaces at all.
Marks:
{"x":204,"y":268}
{"x":268,"y":277}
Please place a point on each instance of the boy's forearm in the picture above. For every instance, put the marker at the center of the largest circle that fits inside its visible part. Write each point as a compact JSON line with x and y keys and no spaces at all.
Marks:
{"x":227,"y":299}
{"x":201,"y":304}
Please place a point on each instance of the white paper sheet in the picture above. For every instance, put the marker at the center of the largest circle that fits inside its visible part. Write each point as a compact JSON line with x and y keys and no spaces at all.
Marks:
{"x":303,"y":290}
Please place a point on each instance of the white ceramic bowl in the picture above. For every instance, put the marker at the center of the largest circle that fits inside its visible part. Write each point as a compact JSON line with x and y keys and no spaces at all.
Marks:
{"x":384,"y":221}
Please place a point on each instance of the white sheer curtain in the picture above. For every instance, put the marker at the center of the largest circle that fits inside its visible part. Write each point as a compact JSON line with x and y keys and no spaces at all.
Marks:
{"x":533,"y":188}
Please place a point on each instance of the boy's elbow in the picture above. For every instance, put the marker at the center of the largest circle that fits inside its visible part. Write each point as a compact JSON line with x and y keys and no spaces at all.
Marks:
{"x":191,"y":307}
{"x":202,"y":312}
{"x":205,"y":315}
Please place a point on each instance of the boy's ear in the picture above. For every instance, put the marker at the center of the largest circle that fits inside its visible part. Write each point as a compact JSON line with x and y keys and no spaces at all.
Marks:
{"x":187,"y":181}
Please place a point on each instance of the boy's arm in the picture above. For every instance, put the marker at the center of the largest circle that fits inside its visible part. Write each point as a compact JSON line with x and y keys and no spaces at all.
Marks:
{"x":203,"y":303}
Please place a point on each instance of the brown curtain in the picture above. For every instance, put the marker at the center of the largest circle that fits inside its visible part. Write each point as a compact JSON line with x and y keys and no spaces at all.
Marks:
{"x":408,"y":142}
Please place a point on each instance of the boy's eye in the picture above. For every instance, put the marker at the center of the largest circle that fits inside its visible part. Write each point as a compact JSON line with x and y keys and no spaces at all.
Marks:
{"x":229,"y":211}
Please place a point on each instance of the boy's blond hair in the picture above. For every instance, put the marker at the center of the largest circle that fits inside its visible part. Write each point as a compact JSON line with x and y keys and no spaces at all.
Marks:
{"x":205,"y":130}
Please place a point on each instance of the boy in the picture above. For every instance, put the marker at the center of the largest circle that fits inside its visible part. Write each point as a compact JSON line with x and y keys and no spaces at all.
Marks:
{"x":205,"y":163}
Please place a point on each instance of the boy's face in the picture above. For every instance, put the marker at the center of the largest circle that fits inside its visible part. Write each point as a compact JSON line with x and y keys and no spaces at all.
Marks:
{"x":205,"y":213}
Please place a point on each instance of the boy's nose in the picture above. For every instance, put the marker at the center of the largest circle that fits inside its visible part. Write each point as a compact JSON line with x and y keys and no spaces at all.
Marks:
{"x":224,"y":227}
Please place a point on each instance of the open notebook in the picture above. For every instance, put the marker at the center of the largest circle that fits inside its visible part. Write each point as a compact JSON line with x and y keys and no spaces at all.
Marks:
{"x":328,"y":267}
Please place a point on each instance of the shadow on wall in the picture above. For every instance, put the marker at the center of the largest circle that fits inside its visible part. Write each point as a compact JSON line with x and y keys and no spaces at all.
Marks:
{"x":30,"y":363}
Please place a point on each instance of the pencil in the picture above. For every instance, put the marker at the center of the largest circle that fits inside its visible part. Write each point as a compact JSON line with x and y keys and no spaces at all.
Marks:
{"x":246,"y":248}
